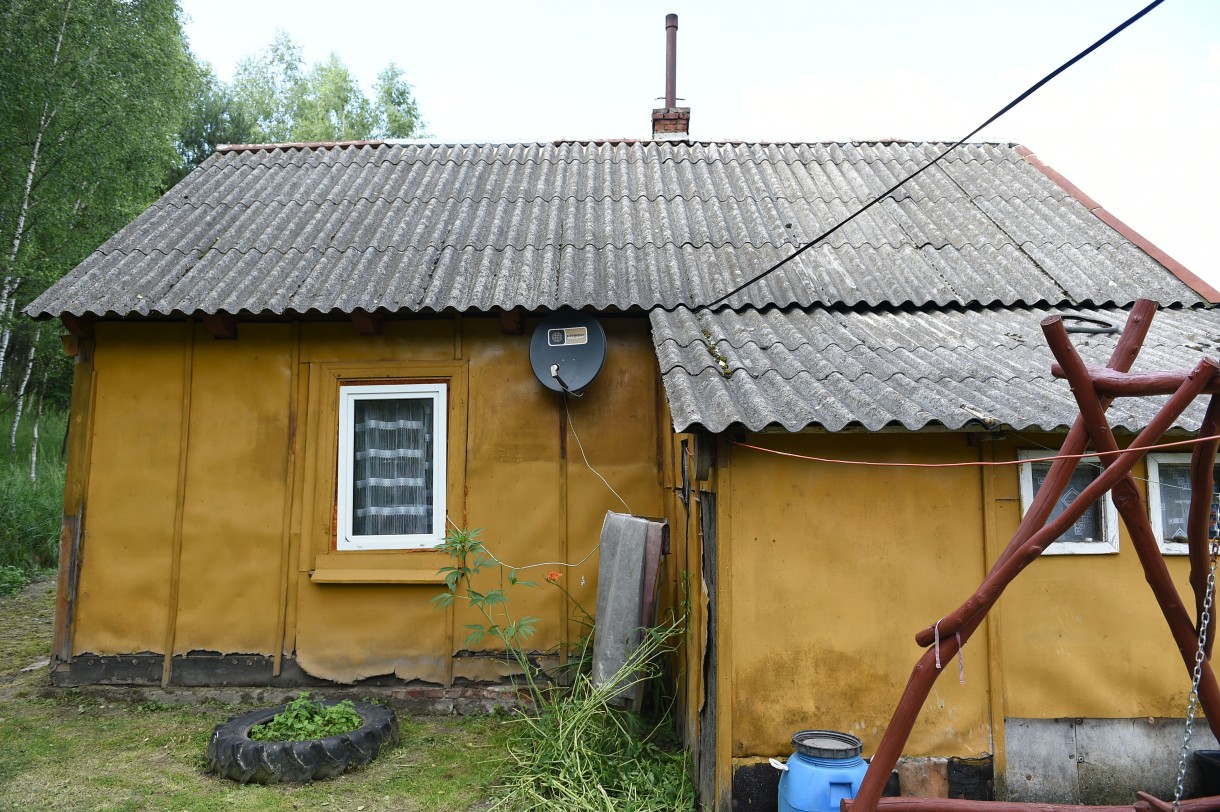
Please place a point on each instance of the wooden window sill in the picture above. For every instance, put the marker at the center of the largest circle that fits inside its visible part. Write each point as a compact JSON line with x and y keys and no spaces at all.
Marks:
{"x":375,"y":576}
{"x":378,"y":568}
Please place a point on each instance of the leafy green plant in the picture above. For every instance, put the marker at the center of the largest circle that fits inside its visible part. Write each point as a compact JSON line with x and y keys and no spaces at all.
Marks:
{"x":576,"y":750}
{"x":303,"y":719}
{"x":31,"y":511}
{"x":470,"y":558}
{"x":11,"y":579}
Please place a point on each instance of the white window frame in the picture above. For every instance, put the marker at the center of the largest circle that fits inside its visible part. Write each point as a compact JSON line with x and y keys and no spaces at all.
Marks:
{"x":1107,"y":545}
{"x":348,"y":395}
{"x":1154,"y":461}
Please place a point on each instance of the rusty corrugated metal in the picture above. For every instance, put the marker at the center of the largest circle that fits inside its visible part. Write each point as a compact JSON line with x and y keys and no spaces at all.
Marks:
{"x":833,"y":369}
{"x":607,"y":225}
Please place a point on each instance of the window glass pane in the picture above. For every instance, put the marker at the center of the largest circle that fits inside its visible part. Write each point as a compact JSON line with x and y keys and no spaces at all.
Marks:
{"x":392,"y":444}
{"x":1174,"y":493}
{"x":1089,"y":526}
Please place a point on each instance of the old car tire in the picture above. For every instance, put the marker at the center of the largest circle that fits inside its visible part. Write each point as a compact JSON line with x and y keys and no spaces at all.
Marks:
{"x":234,"y":755}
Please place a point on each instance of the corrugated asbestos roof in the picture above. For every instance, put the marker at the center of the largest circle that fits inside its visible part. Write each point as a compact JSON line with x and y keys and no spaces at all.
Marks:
{"x":978,"y":368}
{"x":420,"y":227}
{"x":923,"y":311}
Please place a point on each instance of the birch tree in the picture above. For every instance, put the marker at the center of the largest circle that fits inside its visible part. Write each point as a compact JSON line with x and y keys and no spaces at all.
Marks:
{"x":91,"y":97}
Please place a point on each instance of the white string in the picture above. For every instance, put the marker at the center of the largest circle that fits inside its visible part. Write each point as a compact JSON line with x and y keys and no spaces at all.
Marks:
{"x":580,"y":445}
{"x":530,"y":566}
{"x":961,"y":662}
{"x":596,"y":547}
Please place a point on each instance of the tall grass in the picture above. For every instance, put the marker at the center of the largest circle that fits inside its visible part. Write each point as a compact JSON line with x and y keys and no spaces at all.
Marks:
{"x":574,"y":749}
{"x":580,"y":752}
{"x":31,"y":509}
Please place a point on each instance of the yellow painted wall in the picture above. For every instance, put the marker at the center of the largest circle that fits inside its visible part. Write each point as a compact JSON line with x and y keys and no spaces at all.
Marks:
{"x":131,"y":501}
{"x":257,"y":481}
{"x":827,"y":573}
{"x":1081,"y":635}
{"x":233,"y":512}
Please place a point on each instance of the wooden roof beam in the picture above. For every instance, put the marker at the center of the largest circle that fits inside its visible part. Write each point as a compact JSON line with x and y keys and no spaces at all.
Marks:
{"x":367,"y":324}
{"x":222,"y":326}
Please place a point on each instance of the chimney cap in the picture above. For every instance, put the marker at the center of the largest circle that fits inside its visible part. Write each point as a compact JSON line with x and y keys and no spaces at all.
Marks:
{"x":671,"y":121}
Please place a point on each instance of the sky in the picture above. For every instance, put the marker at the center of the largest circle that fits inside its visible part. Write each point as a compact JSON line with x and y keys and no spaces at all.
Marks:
{"x":1135,"y":125}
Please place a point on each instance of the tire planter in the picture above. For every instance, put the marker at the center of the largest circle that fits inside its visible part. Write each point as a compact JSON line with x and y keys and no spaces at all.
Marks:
{"x":234,"y":755}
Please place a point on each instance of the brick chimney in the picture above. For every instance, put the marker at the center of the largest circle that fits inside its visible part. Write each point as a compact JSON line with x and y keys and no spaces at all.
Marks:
{"x":671,"y":123}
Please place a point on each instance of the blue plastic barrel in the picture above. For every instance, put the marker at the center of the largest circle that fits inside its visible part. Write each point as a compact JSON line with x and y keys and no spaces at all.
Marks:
{"x":825,"y":769}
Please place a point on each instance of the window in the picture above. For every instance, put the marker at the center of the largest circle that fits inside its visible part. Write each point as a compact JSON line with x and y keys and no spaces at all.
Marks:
{"x":1169,"y":499}
{"x":391,"y":478}
{"x":1096,"y":531}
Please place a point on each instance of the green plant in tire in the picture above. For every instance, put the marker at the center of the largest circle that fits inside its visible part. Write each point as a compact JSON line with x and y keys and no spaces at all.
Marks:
{"x":303,"y":719}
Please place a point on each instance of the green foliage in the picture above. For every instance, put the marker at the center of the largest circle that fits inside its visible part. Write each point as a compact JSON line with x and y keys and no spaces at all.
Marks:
{"x":31,"y":511}
{"x":396,"y":114}
{"x":303,"y":719}
{"x":91,"y":99}
{"x":578,"y":751}
{"x":285,"y":101}
{"x":92,"y":95}
{"x":214,"y":117}
{"x":581,"y":752}
{"x":12,"y":579}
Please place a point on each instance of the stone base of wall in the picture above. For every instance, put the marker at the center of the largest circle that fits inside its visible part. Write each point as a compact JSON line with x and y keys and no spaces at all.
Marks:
{"x":756,"y":782}
{"x":248,"y":679}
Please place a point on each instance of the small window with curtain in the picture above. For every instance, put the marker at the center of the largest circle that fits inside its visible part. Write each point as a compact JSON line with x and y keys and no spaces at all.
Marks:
{"x":1169,"y":499}
{"x":1096,"y":531}
{"x":391,"y":477}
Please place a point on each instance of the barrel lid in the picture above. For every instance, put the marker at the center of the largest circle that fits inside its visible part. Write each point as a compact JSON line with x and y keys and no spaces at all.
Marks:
{"x":827,"y":744}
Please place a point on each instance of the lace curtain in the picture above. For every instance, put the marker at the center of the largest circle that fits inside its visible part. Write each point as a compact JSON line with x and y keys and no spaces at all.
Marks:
{"x":392,"y":472}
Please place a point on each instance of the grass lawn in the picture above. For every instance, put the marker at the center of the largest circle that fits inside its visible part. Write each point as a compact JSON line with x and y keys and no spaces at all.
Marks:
{"x":81,"y":751}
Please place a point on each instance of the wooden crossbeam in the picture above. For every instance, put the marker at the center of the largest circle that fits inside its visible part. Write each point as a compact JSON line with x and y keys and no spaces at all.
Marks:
{"x":1036,"y":531}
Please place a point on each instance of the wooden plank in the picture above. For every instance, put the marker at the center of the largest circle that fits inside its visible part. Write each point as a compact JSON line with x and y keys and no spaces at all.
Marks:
{"x":376,"y":576}
{"x":80,"y":434}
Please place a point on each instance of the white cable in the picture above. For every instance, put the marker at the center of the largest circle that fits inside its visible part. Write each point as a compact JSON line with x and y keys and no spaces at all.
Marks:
{"x":579,"y":445}
{"x":597,"y":546}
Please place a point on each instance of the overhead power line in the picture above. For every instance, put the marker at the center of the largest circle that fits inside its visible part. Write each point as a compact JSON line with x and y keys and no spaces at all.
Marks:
{"x":1033,"y":89}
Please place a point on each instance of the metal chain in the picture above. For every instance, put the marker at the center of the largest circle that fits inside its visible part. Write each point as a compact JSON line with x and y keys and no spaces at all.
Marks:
{"x":1204,"y":621}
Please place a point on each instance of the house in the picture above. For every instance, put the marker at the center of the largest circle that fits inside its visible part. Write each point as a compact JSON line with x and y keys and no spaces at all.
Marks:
{"x":227,"y":339}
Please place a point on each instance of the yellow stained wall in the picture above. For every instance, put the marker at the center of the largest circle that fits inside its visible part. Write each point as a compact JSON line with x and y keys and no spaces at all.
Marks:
{"x":211,"y":490}
{"x":827,"y":571}
{"x":125,"y":573}
{"x":1081,"y":635}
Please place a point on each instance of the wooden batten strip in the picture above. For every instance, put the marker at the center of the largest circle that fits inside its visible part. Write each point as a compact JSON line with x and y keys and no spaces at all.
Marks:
{"x":76,"y":484}
{"x":184,"y":434}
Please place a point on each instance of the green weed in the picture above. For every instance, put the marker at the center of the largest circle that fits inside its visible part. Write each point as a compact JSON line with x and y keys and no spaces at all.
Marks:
{"x":303,"y":719}
{"x":576,"y":750}
{"x":31,"y":510}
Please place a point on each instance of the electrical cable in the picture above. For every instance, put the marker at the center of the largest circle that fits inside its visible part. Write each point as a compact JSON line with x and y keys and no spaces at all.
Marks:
{"x":975,"y":463}
{"x":935,"y":160}
{"x":580,"y":445}
{"x":585,"y":457}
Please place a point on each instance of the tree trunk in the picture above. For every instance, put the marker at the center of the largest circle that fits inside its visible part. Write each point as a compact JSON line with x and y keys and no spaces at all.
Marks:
{"x":8,"y":289}
{"x":25,"y":382}
{"x":42,"y":393}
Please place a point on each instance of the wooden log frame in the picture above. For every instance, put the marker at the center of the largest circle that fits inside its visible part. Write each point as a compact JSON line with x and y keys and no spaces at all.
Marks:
{"x":1095,"y":389}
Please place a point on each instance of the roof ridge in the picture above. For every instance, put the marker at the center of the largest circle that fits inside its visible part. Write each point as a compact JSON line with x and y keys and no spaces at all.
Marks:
{"x":612,"y":141}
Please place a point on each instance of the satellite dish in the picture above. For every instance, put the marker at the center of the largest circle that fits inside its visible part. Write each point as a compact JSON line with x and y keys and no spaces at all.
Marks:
{"x":567,"y":351}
